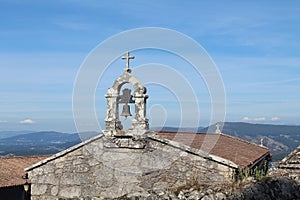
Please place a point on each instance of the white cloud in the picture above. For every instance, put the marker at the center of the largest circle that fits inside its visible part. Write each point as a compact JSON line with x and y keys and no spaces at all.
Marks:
{"x":275,"y":119}
{"x":259,"y":119}
{"x":3,"y":121}
{"x":27,"y":121}
{"x":246,"y":119}
{"x":254,"y":119}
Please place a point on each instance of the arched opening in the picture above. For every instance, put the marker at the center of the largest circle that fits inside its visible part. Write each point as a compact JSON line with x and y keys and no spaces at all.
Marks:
{"x":126,"y":106}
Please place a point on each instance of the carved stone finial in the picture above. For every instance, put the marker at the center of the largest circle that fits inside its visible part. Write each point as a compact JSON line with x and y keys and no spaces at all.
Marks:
{"x":218,"y":128}
{"x":127,"y":57}
{"x":262,"y":142}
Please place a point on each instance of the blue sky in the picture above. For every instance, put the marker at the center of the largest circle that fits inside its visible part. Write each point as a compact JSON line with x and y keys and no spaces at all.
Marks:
{"x":254,"y":44}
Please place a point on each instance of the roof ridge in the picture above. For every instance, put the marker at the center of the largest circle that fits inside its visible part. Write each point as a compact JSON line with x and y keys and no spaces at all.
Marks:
{"x":231,"y":140}
{"x":187,"y":148}
{"x":236,"y":138}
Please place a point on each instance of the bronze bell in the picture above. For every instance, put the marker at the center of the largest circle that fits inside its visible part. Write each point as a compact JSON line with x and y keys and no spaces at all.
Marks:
{"x":126,"y":111}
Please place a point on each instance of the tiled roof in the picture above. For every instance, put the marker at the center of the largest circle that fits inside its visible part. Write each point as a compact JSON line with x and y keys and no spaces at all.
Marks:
{"x":238,"y":151}
{"x":12,"y":169}
{"x":292,"y":161}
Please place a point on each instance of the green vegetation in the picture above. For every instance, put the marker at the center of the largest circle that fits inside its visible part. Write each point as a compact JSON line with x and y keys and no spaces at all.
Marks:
{"x":256,"y":172}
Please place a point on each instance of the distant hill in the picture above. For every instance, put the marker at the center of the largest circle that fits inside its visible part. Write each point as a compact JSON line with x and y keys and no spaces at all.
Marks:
{"x":40,"y":138}
{"x":38,"y":143}
{"x":175,"y":129}
{"x":280,"y":139}
{"x":6,"y":134}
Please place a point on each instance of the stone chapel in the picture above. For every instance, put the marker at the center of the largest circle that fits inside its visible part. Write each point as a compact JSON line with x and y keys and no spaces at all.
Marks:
{"x":120,"y":162}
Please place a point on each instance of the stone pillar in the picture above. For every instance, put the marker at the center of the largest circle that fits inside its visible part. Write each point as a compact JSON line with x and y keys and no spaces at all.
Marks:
{"x":140,"y":122}
{"x":112,"y":121}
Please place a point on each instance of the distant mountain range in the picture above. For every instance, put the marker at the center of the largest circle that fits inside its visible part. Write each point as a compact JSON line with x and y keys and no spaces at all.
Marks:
{"x":175,"y":129}
{"x":38,"y":143}
{"x":280,"y":139}
{"x":5,"y":134}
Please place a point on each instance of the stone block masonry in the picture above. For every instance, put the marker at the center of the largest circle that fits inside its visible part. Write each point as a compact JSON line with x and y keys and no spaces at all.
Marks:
{"x":98,"y":170}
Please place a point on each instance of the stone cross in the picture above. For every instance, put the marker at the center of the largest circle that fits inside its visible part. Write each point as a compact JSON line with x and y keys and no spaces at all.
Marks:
{"x":127,"y":57}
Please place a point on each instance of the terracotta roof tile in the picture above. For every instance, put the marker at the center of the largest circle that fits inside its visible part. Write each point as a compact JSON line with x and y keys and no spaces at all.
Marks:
{"x":238,"y":151}
{"x":12,"y":169}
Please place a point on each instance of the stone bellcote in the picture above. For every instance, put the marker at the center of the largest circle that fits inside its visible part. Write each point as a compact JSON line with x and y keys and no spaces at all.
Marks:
{"x":115,"y":99}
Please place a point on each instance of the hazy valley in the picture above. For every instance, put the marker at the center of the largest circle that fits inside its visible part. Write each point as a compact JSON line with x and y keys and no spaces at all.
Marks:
{"x":280,"y":139}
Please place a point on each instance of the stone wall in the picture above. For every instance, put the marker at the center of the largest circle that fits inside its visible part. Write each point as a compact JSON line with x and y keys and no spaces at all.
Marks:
{"x":292,"y":173}
{"x":101,"y":169}
{"x":269,"y":188}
